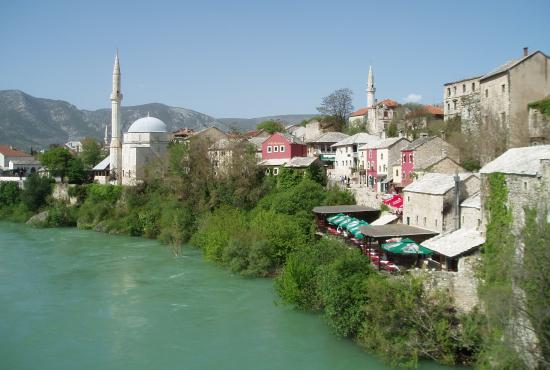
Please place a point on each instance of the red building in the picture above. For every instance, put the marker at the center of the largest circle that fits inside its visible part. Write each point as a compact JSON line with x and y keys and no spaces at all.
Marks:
{"x":407,"y":166}
{"x":371,"y":165}
{"x":283,"y":146}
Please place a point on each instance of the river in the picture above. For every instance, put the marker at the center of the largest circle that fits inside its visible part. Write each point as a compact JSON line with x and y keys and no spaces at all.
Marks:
{"x":72,"y":299}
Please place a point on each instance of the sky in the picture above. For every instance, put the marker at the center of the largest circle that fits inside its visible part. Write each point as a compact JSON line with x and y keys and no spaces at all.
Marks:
{"x":257,"y":58}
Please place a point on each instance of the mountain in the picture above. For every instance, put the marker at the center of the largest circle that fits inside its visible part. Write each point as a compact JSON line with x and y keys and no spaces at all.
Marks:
{"x":251,"y":123}
{"x":27,"y":121}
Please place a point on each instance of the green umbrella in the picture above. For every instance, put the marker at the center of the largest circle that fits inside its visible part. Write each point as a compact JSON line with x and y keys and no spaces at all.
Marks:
{"x":334,"y":217}
{"x":355,"y":230}
{"x":339,"y":220}
{"x":352,"y":224}
{"x":346,"y":222}
{"x":406,"y":246}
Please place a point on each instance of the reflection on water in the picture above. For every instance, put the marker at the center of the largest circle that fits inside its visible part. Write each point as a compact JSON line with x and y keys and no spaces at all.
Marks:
{"x":72,"y":299}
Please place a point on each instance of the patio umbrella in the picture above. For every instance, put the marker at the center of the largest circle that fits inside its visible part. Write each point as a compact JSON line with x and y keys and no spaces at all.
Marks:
{"x":355,"y":230}
{"x":352,"y":224}
{"x":334,"y":217}
{"x":397,"y":201}
{"x":346,"y":221}
{"x":406,"y":246}
{"x":337,"y":220}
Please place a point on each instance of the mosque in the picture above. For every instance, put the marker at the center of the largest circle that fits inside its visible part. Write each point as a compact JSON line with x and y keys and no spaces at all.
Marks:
{"x":145,"y":142}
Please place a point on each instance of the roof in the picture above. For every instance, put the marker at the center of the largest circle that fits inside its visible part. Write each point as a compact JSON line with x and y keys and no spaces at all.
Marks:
{"x":393,"y":230}
{"x":148,"y":124}
{"x":222,"y":144}
{"x":388,"y":103}
{"x":383,"y":143}
{"x":274,"y":162}
{"x":300,"y":162}
{"x":25,"y":161}
{"x":257,"y":141}
{"x":103,"y":165}
{"x":330,"y":137}
{"x":435,"y":183}
{"x":360,"y":112}
{"x":455,"y":243}
{"x":352,"y":208}
{"x":519,"y":161}
{"x":433,"y":161}
{"x":509,"y":65}
{"x":384,"y":219}
{"x":9,"y":151}
{"x":462,"y":80}
{"x":360,"y":138}
{"x":291,"y":138}
{"x":418,"y":142}
{"x":472,"y":202}
{"x":436,"y":111}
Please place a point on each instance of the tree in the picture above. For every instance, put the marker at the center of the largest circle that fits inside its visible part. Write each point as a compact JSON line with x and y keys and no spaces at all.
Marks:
{"x":36,"y":191}
{"x":271,"y":126}
{"x":76,"y":172}
{"x":56,"y":160}
{"x":337,"y":105}
{"x":92,"y":152}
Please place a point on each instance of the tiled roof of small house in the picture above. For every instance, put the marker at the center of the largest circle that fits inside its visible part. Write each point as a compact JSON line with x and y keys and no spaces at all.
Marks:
{"x":360,"y":112}
{"x":418,"y":142}
{"x":435,"y":183}
{"x":519,"y":161}
{"x":473,"y":201}
{"x":10,"y":151}
{"x":388,"y":103}
{"x":329,"y":137}
{"x":301,"y":162}
{"x":360,"y":138}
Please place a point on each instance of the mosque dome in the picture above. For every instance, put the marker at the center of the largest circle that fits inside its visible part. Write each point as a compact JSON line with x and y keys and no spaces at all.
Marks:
{"x":148,"y":124}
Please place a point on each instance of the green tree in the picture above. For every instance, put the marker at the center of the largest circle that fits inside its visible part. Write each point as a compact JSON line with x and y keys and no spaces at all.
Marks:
{"x":338,"y":105}
{"x":271,"y":126}
{"x":9,"y":193}
{"x":57,"y":160}
{"x":76,"y":173}
{"x":36,"y":191}
{"x":92,"y":152}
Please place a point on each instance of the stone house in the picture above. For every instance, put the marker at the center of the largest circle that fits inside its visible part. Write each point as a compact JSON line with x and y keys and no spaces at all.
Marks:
{"x":380,"y":157}
{"x":461,"y":99}
{"x":359,"y":118}
{"x":280,"y":148}
{"x":441,"y":164}
{"x":379,"y":117}
{"x":503,"y":96}
{"x":308,"y":132}
{"x":423,"y":153}
{"x":470,"y":213}
{"x":348,"y":160}
{"x":221,"y":153}
{"x":539,"y":122}
{"x":321,"y":146}
{"x":430,"y":202}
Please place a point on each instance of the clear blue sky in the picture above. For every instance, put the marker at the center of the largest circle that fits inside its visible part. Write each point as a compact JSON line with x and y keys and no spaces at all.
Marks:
{"x":255,"y":58}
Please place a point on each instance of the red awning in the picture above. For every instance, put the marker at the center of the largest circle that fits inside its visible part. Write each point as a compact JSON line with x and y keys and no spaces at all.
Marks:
{"x":397,"y":201}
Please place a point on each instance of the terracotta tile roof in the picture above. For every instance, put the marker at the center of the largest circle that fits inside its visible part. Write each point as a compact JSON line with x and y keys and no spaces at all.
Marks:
{"x":9,"y":151}
{"x":360,"y":112}
{"x":388,"y":103}
{"x":436,"y":111}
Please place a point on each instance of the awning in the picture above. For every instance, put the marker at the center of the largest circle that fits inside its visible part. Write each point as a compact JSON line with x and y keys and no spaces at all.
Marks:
{"x":327,"y":158}
{"x":337,"y":220}
{"x":455,"y":243}
{"x":406,"y":246}
{"x":385,"y":219}
{"x":396,"y":201}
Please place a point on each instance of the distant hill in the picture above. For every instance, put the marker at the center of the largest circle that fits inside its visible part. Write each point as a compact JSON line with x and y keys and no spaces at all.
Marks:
{"x":27,"y":121}
{"x":250,"y":123}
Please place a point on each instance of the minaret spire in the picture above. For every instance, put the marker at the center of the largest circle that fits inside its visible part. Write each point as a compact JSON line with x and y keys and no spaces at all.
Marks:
{"x":106,"y":137}
{"x":115,"y":149}
{"x":370,"y":89}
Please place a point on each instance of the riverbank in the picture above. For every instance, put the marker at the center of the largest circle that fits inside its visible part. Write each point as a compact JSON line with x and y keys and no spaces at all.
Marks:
{"x":262,"y":226}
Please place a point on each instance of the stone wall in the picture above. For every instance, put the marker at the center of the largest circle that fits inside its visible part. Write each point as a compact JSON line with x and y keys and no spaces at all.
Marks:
{"x":433,"y":150}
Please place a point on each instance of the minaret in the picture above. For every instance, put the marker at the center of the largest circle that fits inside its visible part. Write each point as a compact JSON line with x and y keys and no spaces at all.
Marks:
{"x":115,"y":150}
{"x":371,"y":116}
{"x":106,"y":137}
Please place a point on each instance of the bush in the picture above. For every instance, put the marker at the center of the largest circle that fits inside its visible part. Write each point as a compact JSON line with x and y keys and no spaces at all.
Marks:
{"x":10,"y":193}
{"x":60,"y":214}
{"x":109,"y":193}
{"x":36,"y":191}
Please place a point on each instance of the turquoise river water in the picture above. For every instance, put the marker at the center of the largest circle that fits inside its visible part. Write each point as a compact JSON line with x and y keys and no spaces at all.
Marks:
{"x":72,"y":299}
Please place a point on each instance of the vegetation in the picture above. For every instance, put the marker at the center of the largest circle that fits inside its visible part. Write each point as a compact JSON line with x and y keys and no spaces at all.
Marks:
{"x":542,"y":106}
{"x":60,"y":162}
{"x":271,"y":126}
{"x":337,"y":107}
{"x":92,"y":152}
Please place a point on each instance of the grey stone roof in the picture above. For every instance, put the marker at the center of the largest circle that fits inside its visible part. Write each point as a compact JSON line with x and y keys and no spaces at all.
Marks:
{"x":435,"y":183}
{"x":329,"y":137}
{"x":291,"y":138}
{"x":394,"y":230}
{"x":103,"y":165}
{"x":472,"y":202}
{"x":461,"y":80}
{"x":274,"y":162}
{"x":508,"y":65}
{"x":301,"y":162}
{"x":30,"y":161}
{"x":383,"y":143}
{"x":519,"y":161}
{"x":349,"y":208}
{"x":222,"y":144}
{"x":360,"y":138}
{"x":257,"y":141}
{"x":455,"y":243}
{"x":418,"y":142}
{"x":422,"y":165}
{"x":385,"y":219}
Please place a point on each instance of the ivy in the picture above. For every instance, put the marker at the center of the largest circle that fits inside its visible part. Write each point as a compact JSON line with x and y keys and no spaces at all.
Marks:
{"x":542,"y":105}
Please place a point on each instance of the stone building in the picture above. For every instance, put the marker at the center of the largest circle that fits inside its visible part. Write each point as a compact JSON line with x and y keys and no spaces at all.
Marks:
{"x":430,"y":202}
{"x":422,"y":153}
{"x":279,"y":149}
{"x":539,"y":122}
{"x":379,"y":159}
{"x":321,"y":146}
{"x":348,"y":159}
{"x":470,"y":213}
{"x":502,"y":97}
{"x":9,"y":153}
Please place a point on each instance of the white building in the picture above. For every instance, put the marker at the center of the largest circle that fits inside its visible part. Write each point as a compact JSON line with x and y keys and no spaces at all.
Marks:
{"x":348,"y":160}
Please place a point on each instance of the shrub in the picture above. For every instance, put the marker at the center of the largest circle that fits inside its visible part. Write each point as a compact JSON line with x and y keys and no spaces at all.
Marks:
{"x":10,"y":193}
{"x":36,"y":191}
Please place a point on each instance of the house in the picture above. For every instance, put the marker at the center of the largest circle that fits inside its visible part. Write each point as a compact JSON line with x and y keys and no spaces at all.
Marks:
{"x":422,"y":116}
{"x":348,"y":160}
{"x":306,"y":132}
{"x":303,"y":163}
{"x":380,"y":158}
{"x":527,"y":175}
{"x":74,"y":146}
{"x":359,"y":118}
{"x":501,"y":97}
{"x":220,"y":154}
{"x":539,"y":122}
{"x":441,"y":164}
{"x":256,"y":142}
{"x":423,"y":153}
{"x":10,"y":154}
{"x":182,"y":134}
{"x":470,"y":213}
{"x":431,"y":201}
{"x":321,"y":146}
{"x":280,"y":148}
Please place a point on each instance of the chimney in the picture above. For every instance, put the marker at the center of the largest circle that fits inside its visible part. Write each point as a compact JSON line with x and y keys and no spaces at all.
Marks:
{"x":442,"y":134}
{"x":443,"y":152}
{"x":400,"y":133}
{"x":383,"y":135}
{"x":457,"y":200}
{"x":525,"y":51}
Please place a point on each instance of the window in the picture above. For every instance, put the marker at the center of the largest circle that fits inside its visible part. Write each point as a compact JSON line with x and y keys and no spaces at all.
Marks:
{"x":276,"y":171}
{"x":404,"y":158}
{"x":282,"y":149}
{"x":525,"y":185}
{"x":269,"y":148}
{"x":385,"y":114}
{"x":381,"y":155}
{"x":408,"y":198}
{"x":454,"y":90}
{"x":463,"y":88}
{"x":473,"y":86}
{"x":486,"y":93}
{"x":503,"y":88}
{"x":448,"y":91}
{"x":410,"y":158}
{"x":424,"y":221}
{"x":275,"y":148}
{"x":448,"y":106}
{"x":417,"y":219}
{"x":436,"y":223}
{"x":408,"y":220}
{"x":462,"y":220}
{"x":454,"y":104}
{"x":396,"y":173}
{"x":503,"y":117}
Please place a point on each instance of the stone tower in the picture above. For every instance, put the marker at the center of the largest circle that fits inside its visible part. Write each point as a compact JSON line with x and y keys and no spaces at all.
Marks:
{"x":371,"y":102}
{"x":115,"y":149}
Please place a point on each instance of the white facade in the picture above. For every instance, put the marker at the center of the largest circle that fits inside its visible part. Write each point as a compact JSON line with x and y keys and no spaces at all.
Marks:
{"x":349,"y":159}
{"x":115,"y":152}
